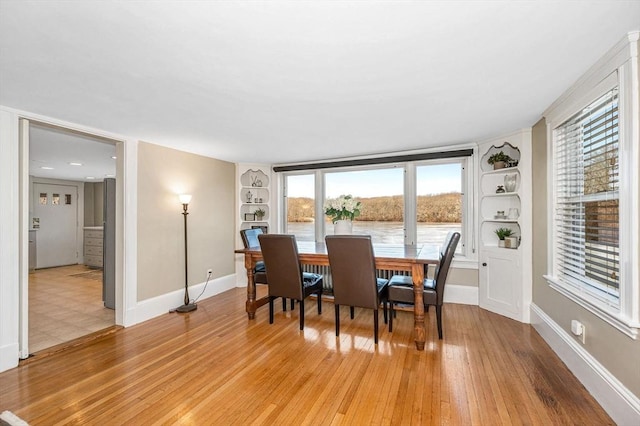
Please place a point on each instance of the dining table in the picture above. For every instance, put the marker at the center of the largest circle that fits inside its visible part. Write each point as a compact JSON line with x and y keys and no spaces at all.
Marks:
{"x":394,"y":257}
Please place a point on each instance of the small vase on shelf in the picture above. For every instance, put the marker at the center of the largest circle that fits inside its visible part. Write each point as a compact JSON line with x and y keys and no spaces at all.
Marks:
{"x":343,"y":227}
{"x":510,"y":182}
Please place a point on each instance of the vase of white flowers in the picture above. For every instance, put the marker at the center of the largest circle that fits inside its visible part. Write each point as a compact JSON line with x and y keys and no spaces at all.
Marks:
{"x":342,"y":211}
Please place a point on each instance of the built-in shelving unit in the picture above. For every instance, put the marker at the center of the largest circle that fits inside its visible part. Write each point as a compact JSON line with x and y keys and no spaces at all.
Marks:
{"x":503,"y":195}
{"x":254,"y":197}
{"x":500,"y":201}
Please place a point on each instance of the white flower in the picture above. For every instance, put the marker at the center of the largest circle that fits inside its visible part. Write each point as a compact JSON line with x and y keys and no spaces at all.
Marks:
{"x":343,"y":207}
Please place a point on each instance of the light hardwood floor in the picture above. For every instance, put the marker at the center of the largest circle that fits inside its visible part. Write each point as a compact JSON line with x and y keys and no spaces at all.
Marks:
{"x":65,"y":303}
{"x":216,"y":367}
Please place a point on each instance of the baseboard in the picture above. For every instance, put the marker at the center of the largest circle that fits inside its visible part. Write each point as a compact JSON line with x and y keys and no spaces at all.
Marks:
{"x":463,"y":294}
{"x":151,"y":308}
{"x":620,"y":403}
{"x":8,"y":356}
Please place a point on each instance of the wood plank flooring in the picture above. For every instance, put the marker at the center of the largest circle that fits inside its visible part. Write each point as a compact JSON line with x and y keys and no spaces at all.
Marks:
{"x":215,"y":367}
{"x":65,"y":303}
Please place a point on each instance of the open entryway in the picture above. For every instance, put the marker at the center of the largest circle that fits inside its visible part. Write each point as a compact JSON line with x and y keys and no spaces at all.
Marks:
{"x":71,"y":215}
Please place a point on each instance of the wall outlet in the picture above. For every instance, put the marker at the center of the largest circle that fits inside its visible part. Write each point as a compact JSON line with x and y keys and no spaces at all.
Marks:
{"x":578,"y":329}
{"x":209,"y":272}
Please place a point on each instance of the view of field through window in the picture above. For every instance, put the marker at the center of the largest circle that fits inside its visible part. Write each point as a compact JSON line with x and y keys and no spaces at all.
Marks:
{"x":380,"y":191}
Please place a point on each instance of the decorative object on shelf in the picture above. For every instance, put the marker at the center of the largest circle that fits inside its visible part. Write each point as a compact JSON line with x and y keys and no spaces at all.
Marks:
{"x":514,"y":213}
{"x":255,"y":182}
{"x":343,"y":227}
{"x":503,"y":233}
{"x":188,"y":306}
{"x":512,"y":163}
{"x":258,"y":200}
{"x":345,"y":207}
{"x":500,"y":215}
{"x":249,"y":196}
{"x":510,"y":182}
{"x":249,"y":216}
{"x":259,"y":213}
{"x":499,"y":160}
{"x":511,"y":242}
{"x":500,"y":189}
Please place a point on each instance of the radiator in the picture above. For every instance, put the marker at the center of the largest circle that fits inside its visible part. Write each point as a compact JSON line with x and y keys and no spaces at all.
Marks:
{"x":327,"y":283}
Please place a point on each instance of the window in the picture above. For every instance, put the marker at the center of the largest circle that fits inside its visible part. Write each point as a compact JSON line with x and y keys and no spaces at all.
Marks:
{"x":439,"y":202}
{"x":380,"y":192}
{"x":594,"y":160}
{"x":429,"y":191}
{"x":300,"y":206}
{"x":587,"y":199}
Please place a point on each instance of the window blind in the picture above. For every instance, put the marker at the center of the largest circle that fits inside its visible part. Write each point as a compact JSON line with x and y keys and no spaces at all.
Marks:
{"x":586,"y":214}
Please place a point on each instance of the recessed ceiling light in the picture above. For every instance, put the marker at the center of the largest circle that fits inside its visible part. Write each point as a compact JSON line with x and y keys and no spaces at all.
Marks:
{"x":90,"y":177}
{"x":109,"y":175}
{"x":46,"y":168}
{"x":114,"y":157}
{"x":75,"y":164}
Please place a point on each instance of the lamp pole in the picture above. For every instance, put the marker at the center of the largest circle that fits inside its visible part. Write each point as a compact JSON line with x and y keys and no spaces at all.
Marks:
{"x":187,"y":307}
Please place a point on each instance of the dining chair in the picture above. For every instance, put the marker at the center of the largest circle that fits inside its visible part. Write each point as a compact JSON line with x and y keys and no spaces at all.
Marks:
{"x":401,"y":286}
{"x":353,"y":272}
{"x":284,"y":273}
{"x":250,"y":239}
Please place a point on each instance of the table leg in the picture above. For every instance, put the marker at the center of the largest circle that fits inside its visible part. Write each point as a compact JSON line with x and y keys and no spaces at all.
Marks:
{"x":417,"y":273}
{"x":251,"y":306}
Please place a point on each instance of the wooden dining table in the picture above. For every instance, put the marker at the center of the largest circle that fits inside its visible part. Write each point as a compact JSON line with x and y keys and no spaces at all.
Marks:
{"x":395,"y":257}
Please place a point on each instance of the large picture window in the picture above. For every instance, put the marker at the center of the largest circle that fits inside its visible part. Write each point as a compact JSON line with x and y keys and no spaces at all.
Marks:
{"x":408,"y":202}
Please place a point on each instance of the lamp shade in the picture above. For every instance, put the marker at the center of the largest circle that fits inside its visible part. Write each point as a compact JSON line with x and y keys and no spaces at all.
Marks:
{"x":184,"y":198}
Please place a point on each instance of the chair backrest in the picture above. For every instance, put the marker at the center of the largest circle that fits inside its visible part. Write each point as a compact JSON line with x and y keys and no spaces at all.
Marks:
{"x":250,"y":237}
{"x":446,"y":256}
{"x":353,"y":270}
{"x":284,"y":274}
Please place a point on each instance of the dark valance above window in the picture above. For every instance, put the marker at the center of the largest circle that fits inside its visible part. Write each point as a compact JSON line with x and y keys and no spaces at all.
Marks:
{"x":375,"y":160}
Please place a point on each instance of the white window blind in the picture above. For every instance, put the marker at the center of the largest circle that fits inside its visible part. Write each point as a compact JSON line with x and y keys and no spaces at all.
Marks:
{"x":586,"y":213}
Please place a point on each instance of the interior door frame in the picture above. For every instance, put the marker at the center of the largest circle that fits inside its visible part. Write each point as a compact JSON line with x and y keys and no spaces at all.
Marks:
{"x":124,"y":296}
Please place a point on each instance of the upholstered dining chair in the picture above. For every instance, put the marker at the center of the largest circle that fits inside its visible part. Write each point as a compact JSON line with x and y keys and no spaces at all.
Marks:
{"x":284,"y":273}
{"x":250,"y":239}
{"x":353,"y":271}
{"x":401,"y":286}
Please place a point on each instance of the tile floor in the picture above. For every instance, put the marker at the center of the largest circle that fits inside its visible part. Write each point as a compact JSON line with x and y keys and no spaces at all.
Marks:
{"x":65,"y":303}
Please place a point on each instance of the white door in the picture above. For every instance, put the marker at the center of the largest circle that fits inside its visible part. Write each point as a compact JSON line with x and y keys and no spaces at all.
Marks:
{"x":500,"y":282}
{"x":55,"y":216}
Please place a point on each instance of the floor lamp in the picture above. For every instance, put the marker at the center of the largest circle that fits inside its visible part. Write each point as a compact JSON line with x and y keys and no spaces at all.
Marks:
{"x":187,"y":307}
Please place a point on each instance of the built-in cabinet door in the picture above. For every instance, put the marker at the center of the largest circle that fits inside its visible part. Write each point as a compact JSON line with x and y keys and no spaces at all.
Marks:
{"x":500,"y":282}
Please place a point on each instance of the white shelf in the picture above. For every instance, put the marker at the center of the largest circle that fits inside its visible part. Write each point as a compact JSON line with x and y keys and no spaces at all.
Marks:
{"x":502,"y":194}
{"x":501,"y":171}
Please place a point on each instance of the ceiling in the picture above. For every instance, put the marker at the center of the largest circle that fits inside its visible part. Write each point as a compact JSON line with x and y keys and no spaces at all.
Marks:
{"x":283,"y":81}
{"x":56,"y":153}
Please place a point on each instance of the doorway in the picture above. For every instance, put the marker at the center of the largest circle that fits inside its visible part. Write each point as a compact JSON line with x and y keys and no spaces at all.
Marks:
{"x":65,"y":293}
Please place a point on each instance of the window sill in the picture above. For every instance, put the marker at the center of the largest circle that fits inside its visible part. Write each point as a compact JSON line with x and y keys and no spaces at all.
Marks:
{"x":605,"y":313}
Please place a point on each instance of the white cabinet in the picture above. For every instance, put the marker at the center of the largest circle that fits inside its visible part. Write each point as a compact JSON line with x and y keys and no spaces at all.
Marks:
{"x":505,"y":204}
{"x":93,"y":246}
